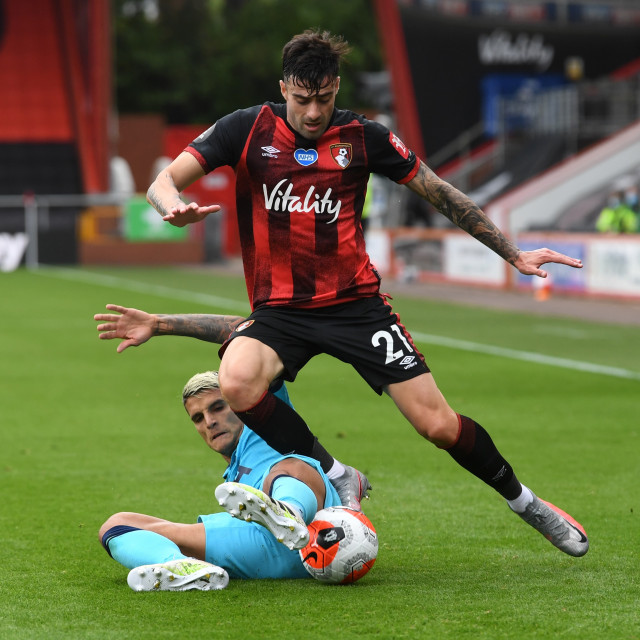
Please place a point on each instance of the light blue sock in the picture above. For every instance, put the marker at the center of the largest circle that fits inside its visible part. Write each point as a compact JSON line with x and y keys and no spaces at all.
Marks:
{"x":297,"y":494}
{"x":138,"y":547}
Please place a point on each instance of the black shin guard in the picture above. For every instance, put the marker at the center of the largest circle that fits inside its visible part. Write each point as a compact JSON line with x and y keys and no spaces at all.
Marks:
{"x":284,"y":430}
{"x":475,"y":452}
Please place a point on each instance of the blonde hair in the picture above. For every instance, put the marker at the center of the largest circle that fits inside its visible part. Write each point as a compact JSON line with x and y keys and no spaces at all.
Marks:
{"x":200,"y":382}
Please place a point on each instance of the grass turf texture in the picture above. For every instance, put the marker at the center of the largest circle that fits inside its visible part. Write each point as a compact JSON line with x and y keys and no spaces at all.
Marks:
{"x":87,"y":432}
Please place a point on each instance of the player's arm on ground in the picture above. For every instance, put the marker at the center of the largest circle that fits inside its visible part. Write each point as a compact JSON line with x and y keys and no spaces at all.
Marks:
{"x":467,"y":215}
{"x":134,"y":327}
{"x":164,"y":193}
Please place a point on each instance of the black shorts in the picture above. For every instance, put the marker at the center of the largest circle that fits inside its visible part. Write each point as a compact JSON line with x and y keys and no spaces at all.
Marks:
{"x":364,"y":333}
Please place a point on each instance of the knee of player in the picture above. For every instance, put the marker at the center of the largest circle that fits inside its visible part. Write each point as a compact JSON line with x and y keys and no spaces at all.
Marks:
{"x":113,"y":521}
{"x":240,"y":391}
{"x":298,"y":469}
{"x":439,"y":429}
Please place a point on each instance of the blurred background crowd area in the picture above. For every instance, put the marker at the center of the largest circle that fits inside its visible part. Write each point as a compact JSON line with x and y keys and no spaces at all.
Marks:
{"x":530,"y":107}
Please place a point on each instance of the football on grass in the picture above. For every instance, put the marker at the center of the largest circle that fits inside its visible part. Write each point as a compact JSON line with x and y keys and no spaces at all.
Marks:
{"x":343,"y":545}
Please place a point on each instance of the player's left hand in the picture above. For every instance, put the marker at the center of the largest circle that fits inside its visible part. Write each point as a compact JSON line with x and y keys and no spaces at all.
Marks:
{"x":529,"y":262}
{"x":184,"y":214}
{"x":133,"y":326}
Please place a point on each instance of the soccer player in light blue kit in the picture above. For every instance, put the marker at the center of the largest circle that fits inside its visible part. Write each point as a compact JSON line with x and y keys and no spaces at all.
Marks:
{"x":269,"y":499}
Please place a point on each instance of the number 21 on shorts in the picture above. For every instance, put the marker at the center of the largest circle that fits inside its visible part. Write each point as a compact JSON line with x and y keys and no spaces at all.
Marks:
{"x":387,"y":337}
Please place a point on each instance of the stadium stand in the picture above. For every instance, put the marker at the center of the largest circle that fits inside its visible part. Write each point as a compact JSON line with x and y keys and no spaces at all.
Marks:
{"x":53,"y":130}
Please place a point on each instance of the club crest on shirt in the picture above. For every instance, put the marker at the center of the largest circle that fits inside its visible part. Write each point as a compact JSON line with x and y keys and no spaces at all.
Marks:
{"x":341,"y":154}
{"x":244,"y":325}
{"x":305,"y":157}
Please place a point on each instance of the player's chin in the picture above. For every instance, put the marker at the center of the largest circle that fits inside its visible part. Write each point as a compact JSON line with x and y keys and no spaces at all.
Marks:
{"x":221,"y":444}
{"x":313,"y":133}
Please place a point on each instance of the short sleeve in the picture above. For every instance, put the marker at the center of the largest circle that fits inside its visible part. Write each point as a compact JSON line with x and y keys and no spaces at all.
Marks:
{"x":388,"y":155}
{"x":222,"y":143}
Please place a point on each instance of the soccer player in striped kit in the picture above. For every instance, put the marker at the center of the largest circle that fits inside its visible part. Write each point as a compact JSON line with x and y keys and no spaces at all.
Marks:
{"x":302,"y":168}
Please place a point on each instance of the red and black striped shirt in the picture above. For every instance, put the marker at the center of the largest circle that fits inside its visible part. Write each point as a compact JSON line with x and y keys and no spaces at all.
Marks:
{"x":299,"y":202}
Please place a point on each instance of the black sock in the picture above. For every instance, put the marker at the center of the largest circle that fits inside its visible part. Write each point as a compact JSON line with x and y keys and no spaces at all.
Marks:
{"x":320,"y":454}
{"x":284,"y":430}
{"x":476,"y":452}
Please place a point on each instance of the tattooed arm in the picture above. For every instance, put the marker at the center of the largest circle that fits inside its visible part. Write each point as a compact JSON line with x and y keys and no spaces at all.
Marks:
{"x":164,"y":193}
{"x":464,"y":213}
{"x":204,"y":326}
{"x":135,"y":327}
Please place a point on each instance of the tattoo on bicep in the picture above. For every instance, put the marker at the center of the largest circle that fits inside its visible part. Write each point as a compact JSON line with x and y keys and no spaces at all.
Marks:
{"x":211,"y":328}
{"x":463,"y":212}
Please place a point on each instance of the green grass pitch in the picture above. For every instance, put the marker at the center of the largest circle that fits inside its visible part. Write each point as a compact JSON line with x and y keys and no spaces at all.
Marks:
{"x":87,"y":432}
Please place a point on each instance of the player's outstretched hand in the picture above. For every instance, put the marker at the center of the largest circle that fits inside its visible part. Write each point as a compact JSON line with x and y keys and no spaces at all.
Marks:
{"x":132,"y":326}
{"x":184,"y":214}
{"x":529,"y":262}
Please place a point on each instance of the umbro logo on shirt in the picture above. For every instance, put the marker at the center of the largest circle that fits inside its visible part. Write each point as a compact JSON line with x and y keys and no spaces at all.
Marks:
{"x":270,"y":152}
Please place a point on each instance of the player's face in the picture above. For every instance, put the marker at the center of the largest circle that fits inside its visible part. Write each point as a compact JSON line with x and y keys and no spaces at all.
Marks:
{"x":309,"y":113}
{"x":219,"y":427}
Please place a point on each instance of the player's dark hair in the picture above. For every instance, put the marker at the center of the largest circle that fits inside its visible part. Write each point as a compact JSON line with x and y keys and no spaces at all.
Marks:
{"x":312,"y":57}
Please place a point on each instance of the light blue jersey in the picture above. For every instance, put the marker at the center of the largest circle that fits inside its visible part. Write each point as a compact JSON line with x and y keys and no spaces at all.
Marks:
{"x":247,"y":549}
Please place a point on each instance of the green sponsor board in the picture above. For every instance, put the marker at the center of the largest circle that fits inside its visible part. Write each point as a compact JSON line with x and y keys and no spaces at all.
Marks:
{"x":142,"y":223}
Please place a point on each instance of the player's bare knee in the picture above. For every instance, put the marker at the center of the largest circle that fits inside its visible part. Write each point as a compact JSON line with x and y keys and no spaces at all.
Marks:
{"x":293,"y":467}
{"x":439,"y":430}
{"x":113,"y":521}
{"x":301,"y":471}
{"x":240,"y":391}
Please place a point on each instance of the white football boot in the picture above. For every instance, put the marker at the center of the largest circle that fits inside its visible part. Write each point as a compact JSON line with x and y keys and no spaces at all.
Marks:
{"x":178,"y":575}
{"x":250,"y":504}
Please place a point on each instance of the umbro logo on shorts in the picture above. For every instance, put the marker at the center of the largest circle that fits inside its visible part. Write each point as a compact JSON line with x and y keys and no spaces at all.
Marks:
{"x":407,"y":362}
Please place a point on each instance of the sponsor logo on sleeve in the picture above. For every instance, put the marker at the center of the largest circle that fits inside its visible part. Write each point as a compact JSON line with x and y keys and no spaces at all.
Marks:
{"x":206,"y":133}
{"x":400,"y":146}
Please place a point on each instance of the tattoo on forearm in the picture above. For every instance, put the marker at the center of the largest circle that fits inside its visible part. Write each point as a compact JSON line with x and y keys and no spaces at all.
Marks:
{"x":155,"y":200}
{"x":211,"y":328}
{"x":463,"y":212}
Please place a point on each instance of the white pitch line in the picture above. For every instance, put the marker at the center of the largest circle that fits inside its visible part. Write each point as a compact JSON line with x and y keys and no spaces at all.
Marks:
{"x":142,"y":287}
{"x":241,"y":307}
{"x":527,"y":356}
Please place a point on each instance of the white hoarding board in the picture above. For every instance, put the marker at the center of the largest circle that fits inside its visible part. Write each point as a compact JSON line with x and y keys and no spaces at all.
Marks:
{"x":614,"y":267}
{"x":468,"y":260}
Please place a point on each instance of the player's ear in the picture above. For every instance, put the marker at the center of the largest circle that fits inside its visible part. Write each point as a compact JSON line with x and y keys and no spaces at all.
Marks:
{"x":283,"y":89}
{"x":337,"y":84}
